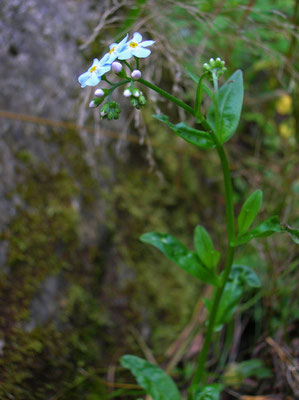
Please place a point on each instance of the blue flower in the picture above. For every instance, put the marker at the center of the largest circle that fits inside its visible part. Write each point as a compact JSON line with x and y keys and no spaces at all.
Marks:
{"x":115,"y":49}
{"x":93,"y":75}
{"x":135,"y":47}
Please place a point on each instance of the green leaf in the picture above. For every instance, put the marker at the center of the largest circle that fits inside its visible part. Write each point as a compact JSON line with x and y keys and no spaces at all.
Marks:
{"x":200,"y":139}
{"x":183,"y":257}
{"x":210,"y":392}
{"x":205,"y":248}
{"x":253,"y":367}
{"x":239,"y":277}
{"x":249,"y":211}
{"x":152,"y":378}
{"x":294,"y":233}
{"x":267,"y":228}
{"x":245,"y":274}
{"x":229,"y":300}
{"x":235,"y":374}
{"x":230,"y":105}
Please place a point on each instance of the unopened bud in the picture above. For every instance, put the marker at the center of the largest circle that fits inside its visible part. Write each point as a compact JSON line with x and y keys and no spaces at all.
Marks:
{"x":99,"y":93}
{"x":136,"y":92}
{"x":212,"y":62}
{"x":134,"y":102}
{"x":92,"y":104}
{"x":127,"y":93}
{"x":116,"y":67}
{"x":142,"y":100}
{"x":136,"y":74}
{"x":102,"y":113}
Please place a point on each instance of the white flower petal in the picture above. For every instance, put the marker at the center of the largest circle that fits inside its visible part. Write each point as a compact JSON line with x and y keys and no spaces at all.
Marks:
{"x":95,"y":62}
{"x":93,"y":80}
{"x":104,"y":59}
{"x":112,"y":45}
{"x":147,"y":43}
{"x":141,"y":52}
{"x":125,"y":55}
{"x":121,"y":44}
{"x":83,"y":78}
{"x":137,"y":37}
{"x":102,"y":70}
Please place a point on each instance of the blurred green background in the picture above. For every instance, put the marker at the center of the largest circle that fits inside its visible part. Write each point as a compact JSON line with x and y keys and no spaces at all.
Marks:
{"x":77,"y":288}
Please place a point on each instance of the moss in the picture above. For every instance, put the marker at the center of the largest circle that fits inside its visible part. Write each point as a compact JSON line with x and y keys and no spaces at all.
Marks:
{"x":43,"y":241}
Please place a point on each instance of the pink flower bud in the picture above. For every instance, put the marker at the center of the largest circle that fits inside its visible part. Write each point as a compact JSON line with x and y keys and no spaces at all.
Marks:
{"x":92,"y":104}
{"x":116,"y":67}
{"x":127,"y":93}
{"x":99,"y":93}
{"x":136,"y":74}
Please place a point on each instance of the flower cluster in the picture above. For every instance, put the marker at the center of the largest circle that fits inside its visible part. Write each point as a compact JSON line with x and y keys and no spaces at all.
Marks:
{"x":217,"y":66}
{"x":123,"y":50}
{"x":137,"y":98}
{"x":110,"y":110}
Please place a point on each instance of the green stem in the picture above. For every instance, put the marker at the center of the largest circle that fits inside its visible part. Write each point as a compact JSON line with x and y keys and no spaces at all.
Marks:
{"x":230,"y":224}
{"x":107,"y":80}
{"x":197,"y":110}
{"x":199,"y":374}
{"x":216,"y":103}
{"x":167,"y":96}
{"x":128,"y":65}
{"x":123,"y":82}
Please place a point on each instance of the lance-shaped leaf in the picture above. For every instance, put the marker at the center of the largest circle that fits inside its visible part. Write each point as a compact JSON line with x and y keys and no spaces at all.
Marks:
{"x":199,"y":138}
{"x":266,"y":228}
{"x":183,"y":257}
{"x":205,"y":248}
{"x":249,"y":211}
{"x":230,"y":106}
{"x":153,"y":379}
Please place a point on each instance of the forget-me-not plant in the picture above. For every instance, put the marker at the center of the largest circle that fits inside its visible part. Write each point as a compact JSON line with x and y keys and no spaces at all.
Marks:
{"x":229,"y":281}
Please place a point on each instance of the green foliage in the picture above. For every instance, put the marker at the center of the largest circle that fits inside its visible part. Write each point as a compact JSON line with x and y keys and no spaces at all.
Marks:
{"x":294,"y":233}
{"x":152,"y":378}
{"x":199,"y":138}
{"x":210,"y":392}
{"x":245,"y":275}
{"x":240,"y":278}
{"x":266,"y":228}
{"x":249,"y":211}
{"x":178,"y":253}
{"x":236,"y":373}
{"x":205,"y":248}
{"x":224,"y":115}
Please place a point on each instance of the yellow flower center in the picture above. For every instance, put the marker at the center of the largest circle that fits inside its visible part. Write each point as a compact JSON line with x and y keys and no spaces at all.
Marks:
{"x":133,"y":44}
{"x":92,"y":69}
{"x":112,"y":50}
